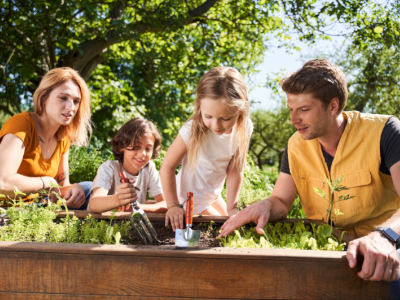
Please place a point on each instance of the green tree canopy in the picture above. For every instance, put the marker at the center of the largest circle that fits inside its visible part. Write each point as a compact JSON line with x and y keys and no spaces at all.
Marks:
{"x":144,"y":58}
{"x":272,"y":130}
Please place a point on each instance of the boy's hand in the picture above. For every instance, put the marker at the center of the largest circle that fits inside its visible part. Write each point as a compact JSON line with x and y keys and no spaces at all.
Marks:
{"x":126,"y":193}
{"x":176,"y":215}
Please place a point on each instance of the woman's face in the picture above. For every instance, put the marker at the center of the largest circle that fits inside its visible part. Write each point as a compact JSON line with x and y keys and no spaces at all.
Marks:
{"x":63,"y":103}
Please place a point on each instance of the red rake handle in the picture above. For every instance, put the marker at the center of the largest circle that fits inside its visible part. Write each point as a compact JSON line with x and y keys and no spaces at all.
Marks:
{"x":189,"y":209}
{"x":124,"y":180}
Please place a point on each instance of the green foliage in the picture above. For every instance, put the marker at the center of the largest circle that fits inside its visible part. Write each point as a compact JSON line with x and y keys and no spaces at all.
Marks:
{"x":256,"y":185}
{"x":373,"y":77}
{"x":272,"y":130}
{"x":145,"y":58}
{"x":84,"y":162}
{"x":285,"y":236}
{"x":95,"y":231}
{"x":296,"y":211}
{"x":38,"y":223}
{"x":334,"y":187}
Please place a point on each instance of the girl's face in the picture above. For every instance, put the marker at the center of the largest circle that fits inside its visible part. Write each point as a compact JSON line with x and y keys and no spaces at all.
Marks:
{"x":63,"y":103}
{"x":217,"y":117}
{"x":137,"y":156}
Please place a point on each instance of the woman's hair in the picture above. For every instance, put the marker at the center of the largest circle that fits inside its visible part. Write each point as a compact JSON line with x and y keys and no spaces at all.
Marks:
{"x":320,"y":78}
{"x":129,"y":135}
{"x":79,"y":130}
{"x":220,"y":84}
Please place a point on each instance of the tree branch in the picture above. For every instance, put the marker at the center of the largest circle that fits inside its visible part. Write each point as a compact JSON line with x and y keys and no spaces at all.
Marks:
{"x":79,"y":58}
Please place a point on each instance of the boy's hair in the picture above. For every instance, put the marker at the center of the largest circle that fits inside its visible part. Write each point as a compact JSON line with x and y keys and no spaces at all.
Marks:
{"x":130,"y":133}
{"x":320,"y":78}
{"x":79,"y":130}
{"x":226,"y":84}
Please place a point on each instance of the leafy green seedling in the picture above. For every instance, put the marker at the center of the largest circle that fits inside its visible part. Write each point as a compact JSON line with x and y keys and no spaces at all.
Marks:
{"x":335,"y":187}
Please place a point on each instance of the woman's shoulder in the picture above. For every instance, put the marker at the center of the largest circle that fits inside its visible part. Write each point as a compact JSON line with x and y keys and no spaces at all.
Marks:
{"x":23,"y":119}
{"x":21,"y":125}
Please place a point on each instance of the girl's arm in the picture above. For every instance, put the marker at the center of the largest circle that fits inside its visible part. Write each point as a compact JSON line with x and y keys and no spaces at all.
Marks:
{"x":172,"y":159}
{"x":12,"y":151}
{"x":234,"y":180}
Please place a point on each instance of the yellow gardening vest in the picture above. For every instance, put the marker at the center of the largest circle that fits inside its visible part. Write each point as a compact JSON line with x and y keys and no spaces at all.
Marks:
{"x":358,"y":158}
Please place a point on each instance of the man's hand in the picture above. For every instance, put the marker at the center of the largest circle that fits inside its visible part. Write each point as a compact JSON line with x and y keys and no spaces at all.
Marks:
{"x":75,"y":196}
{"x":381,"y":261}
{"x":258,"y":213}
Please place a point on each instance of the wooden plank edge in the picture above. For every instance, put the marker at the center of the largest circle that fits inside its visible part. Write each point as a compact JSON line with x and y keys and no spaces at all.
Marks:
{"x":173,"y":251}
{"x":125,"y":216}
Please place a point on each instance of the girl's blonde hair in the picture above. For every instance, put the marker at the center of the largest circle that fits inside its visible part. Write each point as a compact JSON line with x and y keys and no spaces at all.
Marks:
{"x":79,"y":130}
{"x":226,"y":84}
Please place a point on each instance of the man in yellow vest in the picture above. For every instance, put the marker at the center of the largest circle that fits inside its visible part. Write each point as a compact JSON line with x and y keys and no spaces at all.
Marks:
{"x":330,"y":143}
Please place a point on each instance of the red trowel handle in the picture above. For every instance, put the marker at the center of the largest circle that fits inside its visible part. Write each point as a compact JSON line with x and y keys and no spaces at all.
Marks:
{"x":123,"y":177}
{"x":124,"y":180}
{"x":189,"y":209}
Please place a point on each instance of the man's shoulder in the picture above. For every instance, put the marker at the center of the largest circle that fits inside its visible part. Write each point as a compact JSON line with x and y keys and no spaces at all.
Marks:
{"x":365,"y":118}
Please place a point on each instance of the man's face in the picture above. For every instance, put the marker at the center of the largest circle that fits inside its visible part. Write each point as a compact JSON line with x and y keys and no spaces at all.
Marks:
{"x":308,"y":115}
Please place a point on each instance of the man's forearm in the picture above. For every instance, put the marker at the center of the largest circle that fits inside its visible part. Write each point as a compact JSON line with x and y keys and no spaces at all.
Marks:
{"x":278,"y":210}
{"x":393,"y":222}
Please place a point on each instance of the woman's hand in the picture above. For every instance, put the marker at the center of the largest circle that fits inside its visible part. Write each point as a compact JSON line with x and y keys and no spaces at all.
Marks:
{"x":51,"y":191}
{"x":126,"y":193}
{"x":176,"y":215}
{"x":75,"y":196}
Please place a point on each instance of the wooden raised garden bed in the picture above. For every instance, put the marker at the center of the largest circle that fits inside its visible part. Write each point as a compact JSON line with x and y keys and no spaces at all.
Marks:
{"x":87,"y":271}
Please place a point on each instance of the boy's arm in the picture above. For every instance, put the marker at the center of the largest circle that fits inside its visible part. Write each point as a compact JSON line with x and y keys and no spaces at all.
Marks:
{"x":159,"y":207}
{"x":101,"y":202}
{"x":159,"y":198}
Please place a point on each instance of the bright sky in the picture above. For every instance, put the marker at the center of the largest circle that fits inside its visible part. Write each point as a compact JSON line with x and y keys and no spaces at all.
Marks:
{"x":276,"y":60}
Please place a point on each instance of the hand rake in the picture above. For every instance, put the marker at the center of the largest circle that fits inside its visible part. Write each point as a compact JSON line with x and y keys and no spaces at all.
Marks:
{"x":139,"y":219}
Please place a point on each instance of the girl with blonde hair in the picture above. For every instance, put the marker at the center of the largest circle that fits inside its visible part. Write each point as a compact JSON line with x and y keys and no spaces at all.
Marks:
{"x":34,"y":146}
{"x":212,"y":146}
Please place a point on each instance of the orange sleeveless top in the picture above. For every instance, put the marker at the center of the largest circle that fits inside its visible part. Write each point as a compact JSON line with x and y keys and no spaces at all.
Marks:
{"x":33,"y":163}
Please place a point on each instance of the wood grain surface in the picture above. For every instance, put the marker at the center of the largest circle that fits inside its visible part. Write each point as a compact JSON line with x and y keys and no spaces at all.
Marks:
{"x":81,"y":271}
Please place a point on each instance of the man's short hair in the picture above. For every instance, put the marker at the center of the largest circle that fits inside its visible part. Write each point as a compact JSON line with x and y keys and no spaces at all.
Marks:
{"x":320,"y":78}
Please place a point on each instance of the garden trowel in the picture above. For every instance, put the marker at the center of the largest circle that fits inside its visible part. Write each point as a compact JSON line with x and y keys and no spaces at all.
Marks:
{"x":188,"y":237}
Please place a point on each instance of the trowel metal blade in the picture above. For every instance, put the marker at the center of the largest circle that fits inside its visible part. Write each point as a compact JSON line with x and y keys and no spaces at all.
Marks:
{"x":187,"y":238}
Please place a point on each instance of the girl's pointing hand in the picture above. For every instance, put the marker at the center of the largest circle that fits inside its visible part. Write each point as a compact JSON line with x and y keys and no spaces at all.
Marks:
{"x":175,"y":214}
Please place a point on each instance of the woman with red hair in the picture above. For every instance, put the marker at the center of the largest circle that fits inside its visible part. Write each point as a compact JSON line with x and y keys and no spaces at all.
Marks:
{"x":34,"y":146}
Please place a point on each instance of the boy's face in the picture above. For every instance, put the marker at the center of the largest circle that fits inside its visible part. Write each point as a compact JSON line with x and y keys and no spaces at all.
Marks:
{"x":137,"y":156}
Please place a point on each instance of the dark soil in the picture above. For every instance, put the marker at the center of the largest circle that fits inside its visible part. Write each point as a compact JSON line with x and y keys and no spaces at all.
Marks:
{"x":166,"y":236}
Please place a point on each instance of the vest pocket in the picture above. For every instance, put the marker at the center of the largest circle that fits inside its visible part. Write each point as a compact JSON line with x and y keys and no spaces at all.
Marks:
{"x":356,"y":179}
{"x":366,"y":197}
